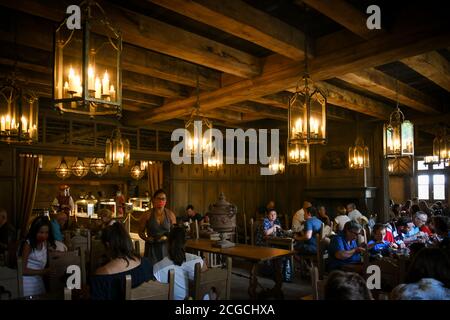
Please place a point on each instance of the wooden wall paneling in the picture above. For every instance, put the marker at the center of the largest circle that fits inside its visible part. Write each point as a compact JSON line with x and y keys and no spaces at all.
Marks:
{"x":196,"y":196}
{"x":7,"y":187}
{"x":196,"y":171}
{"x":180,"y":196}
{"x":211,"y":193}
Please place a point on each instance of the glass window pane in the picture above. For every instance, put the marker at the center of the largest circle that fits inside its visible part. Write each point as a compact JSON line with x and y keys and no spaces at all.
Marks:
{"x":438,"y":192}
{"x":424,"y":192}
{"x":439,"y":166}
{"x":423,"y":179}
{"x":438,"y":179}
{"x":421,"y":165}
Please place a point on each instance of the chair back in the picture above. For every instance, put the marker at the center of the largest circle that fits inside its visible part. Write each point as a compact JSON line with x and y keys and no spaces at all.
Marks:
{"x":19,"y":276}
{"x":150,"y":290}
{"x":137,"y":248}
{"x":215,"y":279}
{"x":318,"y":285}
{"x":58,"y":263}
{"x":81,"y":241}
{"x":97,"y":256}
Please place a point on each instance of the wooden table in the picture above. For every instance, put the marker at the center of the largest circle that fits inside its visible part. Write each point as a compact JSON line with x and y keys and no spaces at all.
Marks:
{"x":254,"y":255}
{"x":283,"y":242}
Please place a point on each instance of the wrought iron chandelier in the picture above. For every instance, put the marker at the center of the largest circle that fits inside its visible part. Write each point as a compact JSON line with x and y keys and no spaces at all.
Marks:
{"x":196,"y":143}
{"x":80,"y":168}
{"x":62,"y":170}
{"x":358,"y":155}
{"x":441,"y":146}
{"x":277,"y":165}
{"x":307,"y":112}
{"x":298,"y":153}
{"x":136,"y":171}
{"x":398,"y":134}
{"x":98,"y":166}
{"x":18,"y":113}
{"x":117,"y":149}
{"x":87,"y":72}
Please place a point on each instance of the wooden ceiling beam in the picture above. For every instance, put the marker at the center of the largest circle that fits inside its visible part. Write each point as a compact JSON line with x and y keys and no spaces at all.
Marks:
{"x":431,"y":65}
{"x":152,"y":34}
{"x":244,"y":21}
{"x":134,"y":59}
{"x":380,"y":83}
{"x":407,"y":39}
{"x":344,"y":14}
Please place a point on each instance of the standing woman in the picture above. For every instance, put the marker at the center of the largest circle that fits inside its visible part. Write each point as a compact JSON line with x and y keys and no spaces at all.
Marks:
{"x":155,"y":227}
{"x":35,"y":254}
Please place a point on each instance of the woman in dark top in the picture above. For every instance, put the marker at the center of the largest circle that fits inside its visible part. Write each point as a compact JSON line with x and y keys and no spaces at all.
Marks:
{"x":108,"y":283}
{"x":155,"y":227}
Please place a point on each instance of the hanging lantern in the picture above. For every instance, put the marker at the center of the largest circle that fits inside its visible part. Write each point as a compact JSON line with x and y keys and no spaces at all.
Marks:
{"x":136,"y":172}
{"x":18,"y":113}
{"x":117,"y":150}
{"x":398,"y":136}
{"x":63,"y":171}
{"x":298,"y":153}
{"x":441,"y":146}
{"x":213,"y":163}
{"x":80,"y":168}
{"x":196,"y":143}
{"x":276,"y":165}
{"x":87,"y":73}
{"x":98,"y":166}
{"x":144,"y":165}
{"x":307,"y":114}
{"x":358,"y":155}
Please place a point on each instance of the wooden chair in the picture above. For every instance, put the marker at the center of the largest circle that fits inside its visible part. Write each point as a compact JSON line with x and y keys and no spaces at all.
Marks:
{"x":252,"y":231}
{"x":97,"y":256}
{"x":19,"y":277}
{"x":150,"y":290}
{"x":82,"y":242}
{"x":58,"y":262}
{"x":220,"y":279}
{"x":137,"y":248}
{"x":318,"y":284}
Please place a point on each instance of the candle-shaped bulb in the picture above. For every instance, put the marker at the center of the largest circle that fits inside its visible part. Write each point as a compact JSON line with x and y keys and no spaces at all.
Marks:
{"x":112,"y":92}
{"x":91,"y":82}
{"x":105,"y":83}
{"x":98,"y":88}
{"x":3,"y":124}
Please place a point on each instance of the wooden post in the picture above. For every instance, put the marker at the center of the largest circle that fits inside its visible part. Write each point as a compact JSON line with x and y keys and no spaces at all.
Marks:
{"x":245,"y":228}
{"x":196,"y":230}
{"x":252,"y":232}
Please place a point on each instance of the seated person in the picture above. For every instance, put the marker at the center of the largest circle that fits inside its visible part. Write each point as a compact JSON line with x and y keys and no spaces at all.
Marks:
{"x":379,"y":245}
{"x":343,"y":249}
{"x":428,"y":277}
{"x":342,"y":285}
{"x":270,"y":227}
{"x":341,"y":219}
{"x":58,"y":221}
{"x":440,"y":226}
{"x":298,"y":219}
{"x":420,"y":223}
{"x":191,"y":215}
{"x":7,"y":232}
{"x":352,"y":212}
{"x":183,"y":263}
{"x":403,"y":226}
{"x":322,"y":215}
{"x":34,"y":252}
{"x":106,"y":217}
{"x":108,"y":281}
{"x":307,"y":242}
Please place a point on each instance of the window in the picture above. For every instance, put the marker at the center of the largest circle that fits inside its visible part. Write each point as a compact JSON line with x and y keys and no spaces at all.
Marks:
{"x":431,"y":181}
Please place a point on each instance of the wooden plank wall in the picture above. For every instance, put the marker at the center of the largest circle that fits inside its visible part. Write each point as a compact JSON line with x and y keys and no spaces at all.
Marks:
{"x":242,"y":185}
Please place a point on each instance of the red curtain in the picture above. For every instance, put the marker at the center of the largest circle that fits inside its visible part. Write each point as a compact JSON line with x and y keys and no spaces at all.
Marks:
{"x":28,"y":176}
{"x":155,"y":176}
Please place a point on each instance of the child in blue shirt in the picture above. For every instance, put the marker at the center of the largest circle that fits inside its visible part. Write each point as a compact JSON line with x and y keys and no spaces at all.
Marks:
{"x":379,"y":244}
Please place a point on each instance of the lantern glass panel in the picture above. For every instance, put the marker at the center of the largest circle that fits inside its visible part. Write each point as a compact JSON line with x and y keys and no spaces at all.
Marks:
{"x":407,"y":138}
{"x":298,"y":153}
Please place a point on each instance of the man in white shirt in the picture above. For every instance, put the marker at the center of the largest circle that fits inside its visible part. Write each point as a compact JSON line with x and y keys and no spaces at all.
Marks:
{"x":352,"y":212}
{"x":298,"y":219}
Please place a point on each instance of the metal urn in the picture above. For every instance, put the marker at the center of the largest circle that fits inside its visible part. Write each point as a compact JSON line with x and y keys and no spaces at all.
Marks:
{"x":222,"y":217}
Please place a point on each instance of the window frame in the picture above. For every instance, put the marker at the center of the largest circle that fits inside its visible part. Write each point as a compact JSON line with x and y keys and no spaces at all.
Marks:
{"x":430,"y":172}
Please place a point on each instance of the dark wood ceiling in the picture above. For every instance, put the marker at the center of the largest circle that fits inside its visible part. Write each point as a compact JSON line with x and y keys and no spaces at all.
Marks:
{"x":245,"y":78}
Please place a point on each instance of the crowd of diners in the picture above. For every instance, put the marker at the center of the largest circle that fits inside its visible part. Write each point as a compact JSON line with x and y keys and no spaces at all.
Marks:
{"x":164,"y":237}
{"x":414,"y":230}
